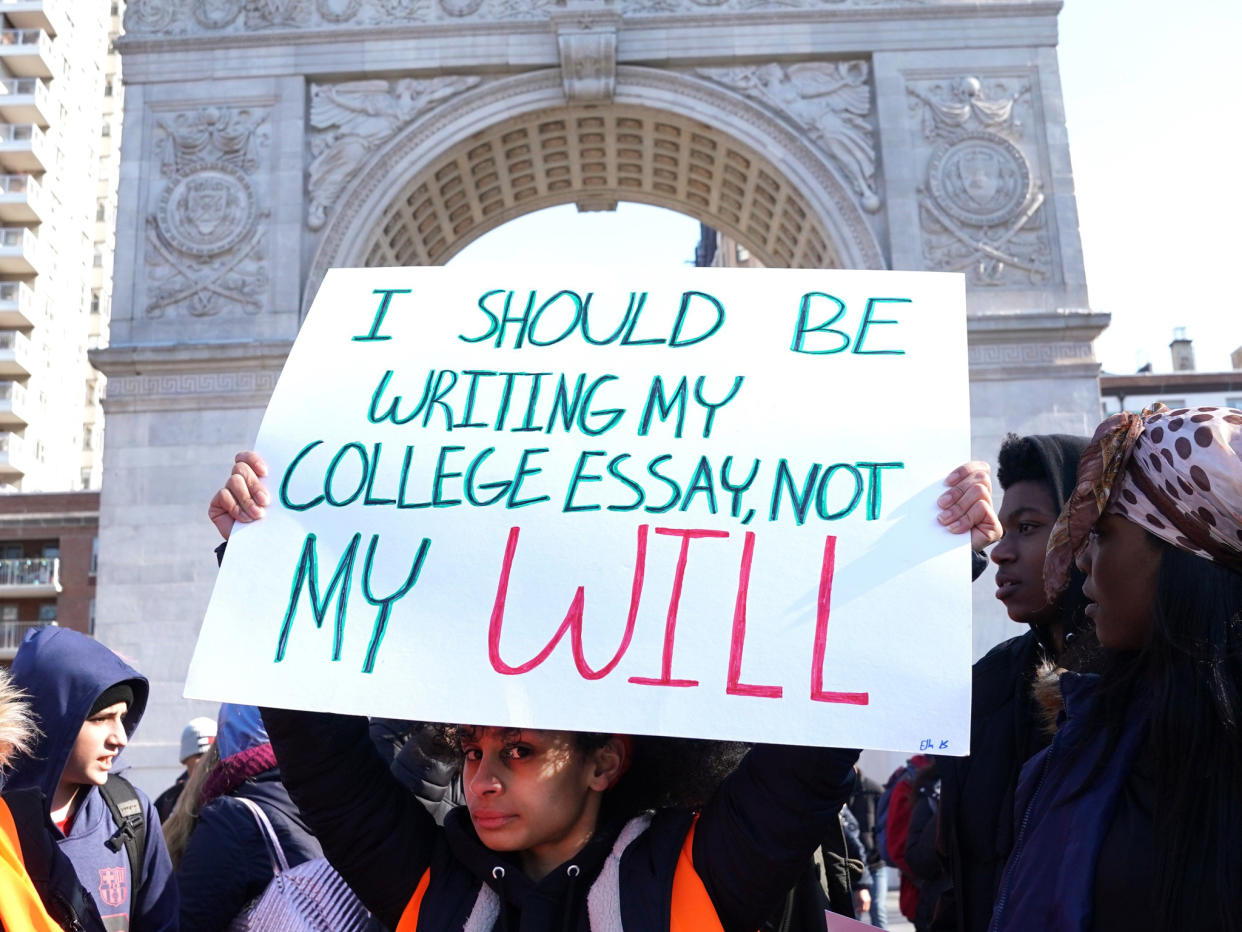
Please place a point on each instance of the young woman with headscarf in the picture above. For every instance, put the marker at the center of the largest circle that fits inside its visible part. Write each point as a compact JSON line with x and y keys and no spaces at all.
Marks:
{"x":1132,"y":818}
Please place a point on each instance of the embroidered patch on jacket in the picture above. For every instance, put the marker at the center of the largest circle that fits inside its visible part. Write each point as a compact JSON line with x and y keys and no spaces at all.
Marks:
{"x":113,"y":888}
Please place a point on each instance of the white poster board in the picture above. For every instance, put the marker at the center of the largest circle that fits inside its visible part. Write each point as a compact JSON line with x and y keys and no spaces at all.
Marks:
{"x":695,"y":502}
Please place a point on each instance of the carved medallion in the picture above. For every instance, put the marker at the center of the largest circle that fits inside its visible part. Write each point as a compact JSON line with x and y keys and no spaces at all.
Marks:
{"x":207,"y":209}
{"x":979,"y":178}
{"x":149,"y":15}
{"x":338,"y":11}
{"x":460,"y":7}
{"x":216,"y":14}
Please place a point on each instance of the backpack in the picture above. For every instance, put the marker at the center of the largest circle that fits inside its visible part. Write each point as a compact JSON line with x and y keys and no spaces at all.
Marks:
{"x":892,"y":814}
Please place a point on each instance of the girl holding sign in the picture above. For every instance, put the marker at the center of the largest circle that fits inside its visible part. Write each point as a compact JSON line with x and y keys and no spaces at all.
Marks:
{"x":561,"y":830}
{"x":1132,"y":819}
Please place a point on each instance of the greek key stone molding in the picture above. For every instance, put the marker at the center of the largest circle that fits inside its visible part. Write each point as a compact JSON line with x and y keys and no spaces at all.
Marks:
{"x":349,"y":121}
{"x":190,"y":376}
{"x":831,"y":101}
{"x":1030,"y":354}
{"x":206,"y":228}
{"x":201,"y":383}
{"x":981,"y":201}
{"x":587,"y":42}
{"x":182,"y":17}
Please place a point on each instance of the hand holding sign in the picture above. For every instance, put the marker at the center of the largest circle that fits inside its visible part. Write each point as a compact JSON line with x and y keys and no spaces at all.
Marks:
{"x":635,"y":514}
{"x":242,"y":497}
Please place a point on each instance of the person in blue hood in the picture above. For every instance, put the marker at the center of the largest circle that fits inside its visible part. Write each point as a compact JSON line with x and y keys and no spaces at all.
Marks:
{"x":87,"y":703}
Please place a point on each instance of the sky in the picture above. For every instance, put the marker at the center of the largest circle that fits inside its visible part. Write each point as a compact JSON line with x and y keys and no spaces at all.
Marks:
{"x":1151,"y":98}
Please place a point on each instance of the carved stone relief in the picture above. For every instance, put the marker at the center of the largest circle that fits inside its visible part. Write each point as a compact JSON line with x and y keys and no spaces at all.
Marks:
{"x":205,"y":235}
{"x":178,"y":17}
{"x":980,"y":204}
{"x":351,"y":120}
{"x":830,"y":101}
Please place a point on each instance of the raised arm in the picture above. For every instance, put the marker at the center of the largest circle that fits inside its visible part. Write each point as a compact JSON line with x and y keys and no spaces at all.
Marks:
{"x":373,"y":831}
{"x":757,"y":834}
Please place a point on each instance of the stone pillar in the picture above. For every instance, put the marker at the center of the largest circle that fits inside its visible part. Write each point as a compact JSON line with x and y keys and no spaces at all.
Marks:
{"x":206,"y":306}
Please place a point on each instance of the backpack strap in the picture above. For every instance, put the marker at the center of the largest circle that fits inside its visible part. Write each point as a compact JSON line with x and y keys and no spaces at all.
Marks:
{"x":131,"y":828}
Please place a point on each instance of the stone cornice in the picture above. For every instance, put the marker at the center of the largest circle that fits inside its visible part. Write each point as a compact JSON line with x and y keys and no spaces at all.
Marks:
{"x":164,"y":358}
{"x":1066,"y":325}
{"x":456,"y":44}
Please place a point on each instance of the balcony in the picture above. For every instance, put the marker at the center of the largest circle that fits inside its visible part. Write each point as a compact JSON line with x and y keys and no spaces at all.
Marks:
{"x":19,"y":306}
{"x":14,"y":409}
{"x":24,"y":100}
{"x":15,"y":355}
{"x":11,"y":634}
{"x":28,"y":14}
{"x":23,"y":148}
{"x":21,"y":199}
{"x":14,"y":459}
{"x":32,"y":577}
{"x":18,"y":249}
{"x":27,"y":52}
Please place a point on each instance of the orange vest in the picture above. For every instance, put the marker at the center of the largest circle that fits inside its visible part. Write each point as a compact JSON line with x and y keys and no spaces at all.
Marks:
{"x":21,"y":910}
{"x":692,"y":909}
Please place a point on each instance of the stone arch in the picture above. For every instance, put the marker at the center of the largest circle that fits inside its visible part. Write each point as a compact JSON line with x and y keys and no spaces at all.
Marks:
{"x":513,"y":146}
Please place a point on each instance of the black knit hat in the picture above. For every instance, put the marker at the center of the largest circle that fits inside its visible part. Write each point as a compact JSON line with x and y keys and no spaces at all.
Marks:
{"x":118,"y":692}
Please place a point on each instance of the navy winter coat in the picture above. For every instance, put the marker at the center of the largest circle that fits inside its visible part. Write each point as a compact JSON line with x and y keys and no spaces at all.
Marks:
{"x":226,"y":863}
{"x":753,"y":841}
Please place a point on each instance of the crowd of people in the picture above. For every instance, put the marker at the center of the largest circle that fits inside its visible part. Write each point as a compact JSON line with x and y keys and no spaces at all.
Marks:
{"x":1103,"y":790}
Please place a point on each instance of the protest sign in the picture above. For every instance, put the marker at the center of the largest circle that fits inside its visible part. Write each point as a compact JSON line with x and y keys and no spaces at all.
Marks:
{"x":695,"y":502}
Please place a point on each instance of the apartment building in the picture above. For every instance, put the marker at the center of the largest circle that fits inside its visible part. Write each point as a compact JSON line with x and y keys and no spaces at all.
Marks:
{"x":48,"y":552}
{"x":58,"y":129}
{"x":1184,"y":387}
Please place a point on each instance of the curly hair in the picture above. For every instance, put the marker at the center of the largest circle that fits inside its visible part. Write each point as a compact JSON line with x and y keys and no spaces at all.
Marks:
{"x":663,"y":772}
{"x":17,"y":727}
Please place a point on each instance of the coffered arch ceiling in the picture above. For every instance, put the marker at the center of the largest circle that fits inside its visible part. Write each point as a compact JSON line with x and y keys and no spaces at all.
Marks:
{"x":596,"y":157}
{"x":512,"y":146}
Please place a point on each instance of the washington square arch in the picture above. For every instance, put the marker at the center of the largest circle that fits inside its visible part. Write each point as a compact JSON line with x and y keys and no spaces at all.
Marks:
{"x":266,"y":141}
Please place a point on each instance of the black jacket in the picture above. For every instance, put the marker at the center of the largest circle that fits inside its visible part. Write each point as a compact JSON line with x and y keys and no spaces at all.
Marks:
{"x":226,"y":863}
{"x":976,"y":816}
{"x":753,"y":841}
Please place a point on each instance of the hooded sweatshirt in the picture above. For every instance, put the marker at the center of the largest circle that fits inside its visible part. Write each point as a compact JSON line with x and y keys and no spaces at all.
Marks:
{"x":64,"y":672}
{"x":977,"y":792}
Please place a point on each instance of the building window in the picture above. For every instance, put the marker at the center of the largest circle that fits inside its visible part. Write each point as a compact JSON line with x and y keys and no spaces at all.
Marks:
{"x":94,"y":302}
{"x":8,"y":612}
{"x":101,"y":212}
{"x":47,"y":614}
{"x":98,"y":261}
{"x":108,"y":87}
{"x":94,"y":541}
{"x":105,"y":130}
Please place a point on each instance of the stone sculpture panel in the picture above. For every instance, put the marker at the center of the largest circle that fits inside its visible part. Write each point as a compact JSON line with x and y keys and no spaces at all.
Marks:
{"x":828,"y":101}
{"x":178,"y":17}
{"x":351,"y":120}
{"x":981,"y":200}
{"x":206,"y":228}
